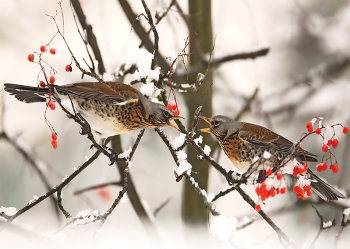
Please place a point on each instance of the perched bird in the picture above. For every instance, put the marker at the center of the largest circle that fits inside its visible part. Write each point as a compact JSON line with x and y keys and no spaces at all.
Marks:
{"x":243,"y":142}
{"x":110,"y":108}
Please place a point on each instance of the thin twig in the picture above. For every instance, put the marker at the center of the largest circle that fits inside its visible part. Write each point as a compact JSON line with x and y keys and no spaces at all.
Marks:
{"x":59,"y":198}
{"x":155,"y":33}
{"x":53,"y":190}
{"x":91,"y":38}
{"x":322,"y":227}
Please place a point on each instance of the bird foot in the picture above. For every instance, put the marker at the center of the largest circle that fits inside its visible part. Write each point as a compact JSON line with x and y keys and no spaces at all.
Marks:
{"x":85,"y":126}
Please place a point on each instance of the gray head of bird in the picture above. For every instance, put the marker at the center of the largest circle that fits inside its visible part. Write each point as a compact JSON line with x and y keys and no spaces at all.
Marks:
{"x":221,"y":126}
{"x":161,"y":116}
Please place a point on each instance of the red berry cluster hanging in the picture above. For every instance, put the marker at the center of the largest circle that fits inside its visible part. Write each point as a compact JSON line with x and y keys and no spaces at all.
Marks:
{"x":321,"y":167}
{"x":299,"y":169}
{"x":302,"y":191}
{"x":273,"y":185}
{"x":51,"y":104}
{"x":54,"y":140}
{"x":329,"y":144}
{"x":172,"y":105}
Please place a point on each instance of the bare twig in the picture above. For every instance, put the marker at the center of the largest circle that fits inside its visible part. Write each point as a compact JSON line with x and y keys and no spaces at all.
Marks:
{"x":34,"y":163}
{"x":91,"y":38}
{"x":52,"y":191}
{"x":97,"y":186}
{"x":344,"y":223}
{"x":323,"y":227}
{"x":155,"y":33}
{"x":161,"y":206}
{"x":59,"y":198}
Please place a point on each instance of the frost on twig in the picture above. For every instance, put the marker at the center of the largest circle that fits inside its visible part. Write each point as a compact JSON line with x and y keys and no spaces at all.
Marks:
{"x":7,"y":212}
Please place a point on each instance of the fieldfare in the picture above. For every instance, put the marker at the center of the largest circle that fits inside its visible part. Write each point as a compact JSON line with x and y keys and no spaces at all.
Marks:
{"x":244,"y":142}
{"x":110,"y":108}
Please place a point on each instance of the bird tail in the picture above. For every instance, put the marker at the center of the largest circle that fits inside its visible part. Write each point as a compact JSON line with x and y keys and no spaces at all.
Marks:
{"x":323,"y":189}
{"x":27,"y":94}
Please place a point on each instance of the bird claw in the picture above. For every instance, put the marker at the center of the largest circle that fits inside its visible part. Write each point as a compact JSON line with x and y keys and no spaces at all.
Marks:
{"x":85,"y":127}
{"x":112,"y":156}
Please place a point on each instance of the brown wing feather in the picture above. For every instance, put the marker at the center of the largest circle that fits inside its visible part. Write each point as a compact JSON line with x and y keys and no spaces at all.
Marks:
{"x":107,"y":91}
{"x":102,"y":91}
{"x":264,"y":137}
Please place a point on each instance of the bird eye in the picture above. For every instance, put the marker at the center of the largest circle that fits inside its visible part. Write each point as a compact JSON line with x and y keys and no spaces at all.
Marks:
{"x":215,"y":123}
{"x":166,"y":114}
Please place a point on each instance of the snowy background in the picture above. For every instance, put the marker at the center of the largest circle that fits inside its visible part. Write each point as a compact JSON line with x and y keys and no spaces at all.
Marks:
{"x":306,"y":40}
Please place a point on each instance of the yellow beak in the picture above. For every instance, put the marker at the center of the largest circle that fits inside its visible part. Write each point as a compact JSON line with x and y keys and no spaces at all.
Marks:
{"x":173,"y":125}
{"x":208,"y":121}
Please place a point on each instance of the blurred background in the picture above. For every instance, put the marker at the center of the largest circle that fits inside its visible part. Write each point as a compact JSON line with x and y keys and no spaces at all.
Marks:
{"x":304,"y":75}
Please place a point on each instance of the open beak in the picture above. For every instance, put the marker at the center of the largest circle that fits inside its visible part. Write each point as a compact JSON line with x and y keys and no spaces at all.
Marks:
{"x":173,"y":125}
{"x":206,"y":120}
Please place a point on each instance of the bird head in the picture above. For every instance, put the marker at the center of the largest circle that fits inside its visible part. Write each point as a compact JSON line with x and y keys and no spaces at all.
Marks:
{"x":161,"y":116}
{"x":220,"y":126}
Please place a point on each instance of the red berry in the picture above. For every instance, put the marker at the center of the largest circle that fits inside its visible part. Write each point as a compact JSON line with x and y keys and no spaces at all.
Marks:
{"x":329,"y":142}
{"x":42,"y":84}
{"x":268,"y":172}
{"x":325,"y":148}
{"x":318,"y":131}
{"x":308,"y":125}
{"x":308,"y":192}
{"x":52,"y":79}
{"x":52,"y":50}
{"x":279,"y":176}
{"x":345,"y":130}
{"x":43,"y":48}
{"x":257,"y":208}
{"x":68,"y":68}
{"x":335,"y":143}
{"x":297,"y":189}
{"x":335,"y":168}
{"x":283,"y":190}
{"x":54,"y":144}
{"x":177,"y":112}
{"x":31,"y":57}
{"x":257,"y":190}
{"x":324,"y":166}
{"x":54,"y":136}
{"x":51,"y":104}
{"x":171,"y":105}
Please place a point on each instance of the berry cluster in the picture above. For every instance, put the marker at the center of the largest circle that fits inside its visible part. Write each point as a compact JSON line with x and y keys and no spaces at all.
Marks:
{"x":333,"y":142}
{"x":302,"y":191}
{"x":271,"y":187}
{"x":172,"y":105}
{"x":51,"y":104}
{"x":299,"y":169}
{"x":265,"y":191}
{"x":54,"y":140}
{"x":43,"y":49}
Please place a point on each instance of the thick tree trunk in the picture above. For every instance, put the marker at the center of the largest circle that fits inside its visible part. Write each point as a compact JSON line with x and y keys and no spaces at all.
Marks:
{"x":193,"y":210}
